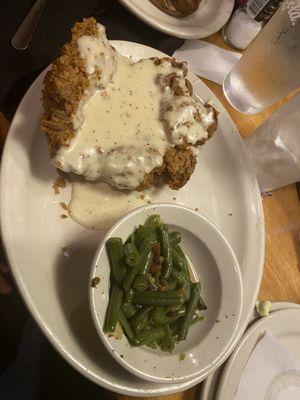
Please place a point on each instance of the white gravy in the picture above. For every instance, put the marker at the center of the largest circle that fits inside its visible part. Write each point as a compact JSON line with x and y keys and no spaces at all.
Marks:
{"x":98,"y":205}
{"x":124,"y":124}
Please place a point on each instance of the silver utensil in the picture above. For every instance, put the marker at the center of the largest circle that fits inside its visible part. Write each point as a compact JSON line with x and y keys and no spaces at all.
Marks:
{"x":23,"y":35}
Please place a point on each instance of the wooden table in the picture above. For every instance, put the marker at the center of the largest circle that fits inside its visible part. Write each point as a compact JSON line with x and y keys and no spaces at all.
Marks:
{"x":281,"y":278}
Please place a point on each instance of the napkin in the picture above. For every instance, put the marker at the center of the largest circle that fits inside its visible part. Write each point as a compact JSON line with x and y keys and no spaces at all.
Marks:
{"x":207,"y":60}
{"x":271,"y":373}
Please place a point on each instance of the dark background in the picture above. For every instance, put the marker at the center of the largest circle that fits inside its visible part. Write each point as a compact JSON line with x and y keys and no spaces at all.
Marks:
{"x":19,"y":68}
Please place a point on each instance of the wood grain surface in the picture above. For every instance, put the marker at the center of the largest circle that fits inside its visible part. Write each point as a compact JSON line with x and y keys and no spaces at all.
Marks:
{"x":281,"y":278}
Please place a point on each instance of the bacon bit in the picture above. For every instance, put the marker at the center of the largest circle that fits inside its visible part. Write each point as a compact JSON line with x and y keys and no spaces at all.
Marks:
{"x":65,"y":252}
{"x":142,"y":196}
{"x":174,"y":198}
{"x":59,"y":183}
{"x":63,"y":205}
{"x":172,"y":313}
{"x":95,"y":281}
{"x":63,"y":216}
{"x":99,"y":150}
{"x":156,"y":250}
{"x":155,"y":268}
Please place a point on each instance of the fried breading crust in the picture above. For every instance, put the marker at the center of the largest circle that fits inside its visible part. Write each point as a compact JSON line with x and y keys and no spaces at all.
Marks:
{"x":64,"y":87}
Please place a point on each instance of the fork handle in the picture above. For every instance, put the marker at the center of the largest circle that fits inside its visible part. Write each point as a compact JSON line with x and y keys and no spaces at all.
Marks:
{"x":23,"y":35}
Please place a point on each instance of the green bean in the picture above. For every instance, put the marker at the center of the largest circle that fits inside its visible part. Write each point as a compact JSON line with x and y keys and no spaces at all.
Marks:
{"x":157,"y":316}
{"x":132,"y":256}
{"x":140,"y":283}
{"x":149,"y":336}
{"x":113,"y":308}
{"x":186,"y":320}
{"x":126,"y":326}
{"x":167,"y":341}
{"x":175,"y":324}
{"x":175,"y":238}
{"x":143,"y":232}
{"x":135,"y":261}
{"x":140,"y":320}
{"x":183,"y":280}
{"x":115,"y":252}
{"x":131,"y":238}
{"x":154,"y":298}
{"x":152,"y":345}
{"x":129,"y":310}
{"x":169,"y":319}
{"x":165,"y":250}
{"x":128,"y":296}
{"x":153,"y":219}
{"x":146,"y":255}
{"x":129,"y":278}
{"x":169,"y":284}
{"x":180,"y":261}
{"x":145,"y":263}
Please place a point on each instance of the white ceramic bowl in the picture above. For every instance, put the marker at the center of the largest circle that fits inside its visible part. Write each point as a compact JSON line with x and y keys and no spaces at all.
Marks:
{"x":215,"y":264}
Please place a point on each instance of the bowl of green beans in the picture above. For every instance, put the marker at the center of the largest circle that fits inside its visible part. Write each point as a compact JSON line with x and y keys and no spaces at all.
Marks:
{"x":166,"y":293}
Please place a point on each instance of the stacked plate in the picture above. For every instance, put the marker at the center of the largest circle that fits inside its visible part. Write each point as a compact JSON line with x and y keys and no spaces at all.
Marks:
{"x":283,"y":323}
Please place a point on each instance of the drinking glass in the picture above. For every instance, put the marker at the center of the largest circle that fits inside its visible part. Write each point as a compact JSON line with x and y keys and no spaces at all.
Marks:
{"x":270,"y":67}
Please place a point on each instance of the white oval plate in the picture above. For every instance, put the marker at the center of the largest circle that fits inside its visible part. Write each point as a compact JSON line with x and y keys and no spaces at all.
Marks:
{"x":211,"y":16}
{"x":210,"y":386}
{"x":217,"y":268}
{"x":54,"y":285}
{"x":284,"y":324}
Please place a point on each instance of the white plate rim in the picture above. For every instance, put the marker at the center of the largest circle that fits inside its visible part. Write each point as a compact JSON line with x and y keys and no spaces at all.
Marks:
{"x":94,"y":272}
{"x":206,"y":386}
{"x":180,"y":33}
{"x":259,"y":255}
{"x":252,"y":331}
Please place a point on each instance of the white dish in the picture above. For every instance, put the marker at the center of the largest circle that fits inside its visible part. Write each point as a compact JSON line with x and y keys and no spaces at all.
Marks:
{"x":211,"y":16}
{"x":210,"y":386}
{"x":284,"y":324}
{"x":214,"y":264}
{"x":54,"y":286}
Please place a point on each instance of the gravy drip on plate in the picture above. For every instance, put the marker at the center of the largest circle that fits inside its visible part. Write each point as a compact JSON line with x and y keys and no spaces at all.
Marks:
{"x":126,"y":125}
{"x":96,"y":205}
